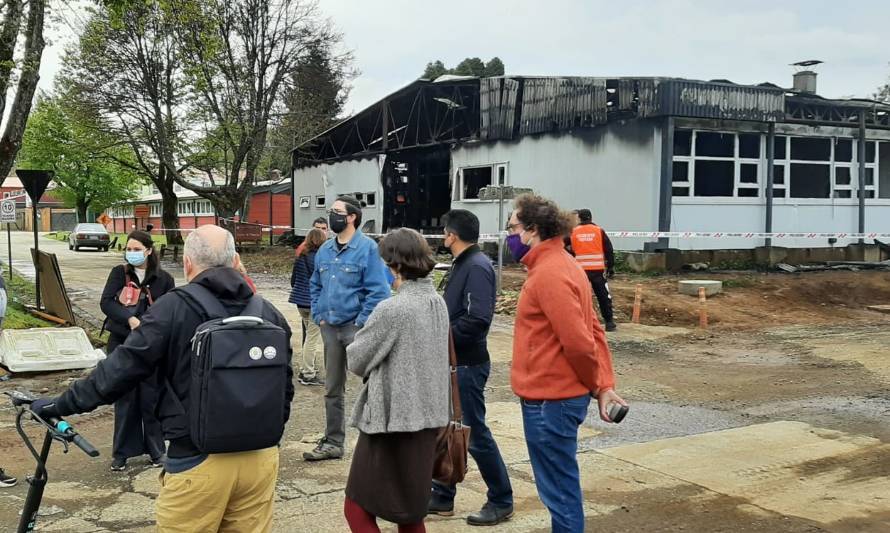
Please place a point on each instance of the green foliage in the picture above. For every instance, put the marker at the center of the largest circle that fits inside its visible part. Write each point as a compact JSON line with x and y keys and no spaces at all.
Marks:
{"x":471,"y":66}
{"x":62,"y":139}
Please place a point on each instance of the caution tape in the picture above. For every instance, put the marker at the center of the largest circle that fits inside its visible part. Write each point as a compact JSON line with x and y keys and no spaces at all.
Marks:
{"x":655,"y":234}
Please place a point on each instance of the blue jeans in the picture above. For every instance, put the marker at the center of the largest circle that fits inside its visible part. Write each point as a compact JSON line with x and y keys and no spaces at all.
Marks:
{"x":471,"y":380}
{"x":551,"y":433}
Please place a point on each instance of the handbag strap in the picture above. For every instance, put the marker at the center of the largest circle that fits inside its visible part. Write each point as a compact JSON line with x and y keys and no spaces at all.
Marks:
{"x":457,"y":414}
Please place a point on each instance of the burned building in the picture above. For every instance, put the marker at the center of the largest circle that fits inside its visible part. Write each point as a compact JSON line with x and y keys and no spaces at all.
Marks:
{"x":644,"y":154}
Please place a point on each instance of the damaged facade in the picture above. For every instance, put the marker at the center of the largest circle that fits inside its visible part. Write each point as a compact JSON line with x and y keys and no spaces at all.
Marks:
{"x":643,"y":154}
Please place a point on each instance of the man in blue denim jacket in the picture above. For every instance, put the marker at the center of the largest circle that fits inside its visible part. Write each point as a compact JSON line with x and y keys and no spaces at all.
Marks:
{"x":348,"y":283}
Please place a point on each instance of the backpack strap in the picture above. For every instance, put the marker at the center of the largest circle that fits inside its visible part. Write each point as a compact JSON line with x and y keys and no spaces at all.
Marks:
{"x":254,"y":307}
{"x":206,"y":302}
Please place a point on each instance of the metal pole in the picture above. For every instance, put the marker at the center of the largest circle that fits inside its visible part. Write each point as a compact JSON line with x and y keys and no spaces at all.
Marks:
{"x":9,"y":245}
{"x":500,"y":235}
{"x":270,"y":216}
{"x":666,"y":185}
{"x":770,"y":174}
{"x":861,"y":155}
{"x":36,"y":249}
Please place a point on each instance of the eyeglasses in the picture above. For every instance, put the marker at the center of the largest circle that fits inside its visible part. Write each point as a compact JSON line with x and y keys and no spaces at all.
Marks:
{"x":512,"y":227}
{"x":335,"y":212}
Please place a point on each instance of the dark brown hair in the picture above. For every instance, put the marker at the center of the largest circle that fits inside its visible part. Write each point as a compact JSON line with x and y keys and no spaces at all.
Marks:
{"x":407,"y":252}
{"x":314,"y":240}
{"x":538,"y":213}
{"x":152,"y":264}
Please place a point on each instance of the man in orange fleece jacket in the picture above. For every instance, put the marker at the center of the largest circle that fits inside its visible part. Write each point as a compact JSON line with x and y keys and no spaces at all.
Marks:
{"x":560,"y":356}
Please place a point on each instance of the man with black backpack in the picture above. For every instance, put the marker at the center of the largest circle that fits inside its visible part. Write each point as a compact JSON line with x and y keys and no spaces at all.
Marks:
{"x":224,"y":356}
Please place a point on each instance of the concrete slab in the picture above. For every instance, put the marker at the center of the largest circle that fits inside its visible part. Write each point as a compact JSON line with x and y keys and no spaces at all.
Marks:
{"x":691,"y":286}
{"x":788,"y":467}
{"x":43,"y":349}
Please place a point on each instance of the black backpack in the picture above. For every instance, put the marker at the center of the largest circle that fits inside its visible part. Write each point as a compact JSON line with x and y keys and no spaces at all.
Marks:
{"x":239,"y":377}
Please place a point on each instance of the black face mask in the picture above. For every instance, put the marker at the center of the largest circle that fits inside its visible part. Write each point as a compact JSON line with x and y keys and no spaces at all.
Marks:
{"x":337,"y":222}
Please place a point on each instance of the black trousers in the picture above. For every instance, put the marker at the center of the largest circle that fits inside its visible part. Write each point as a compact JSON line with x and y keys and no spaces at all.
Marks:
{"x":601,"y":290}
{"x":136,"y":430}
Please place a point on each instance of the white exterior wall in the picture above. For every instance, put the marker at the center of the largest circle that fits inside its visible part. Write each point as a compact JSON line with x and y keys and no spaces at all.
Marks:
{"x":331,"y":180}
{"x":790,"y":215}
{"x":611,"y":170}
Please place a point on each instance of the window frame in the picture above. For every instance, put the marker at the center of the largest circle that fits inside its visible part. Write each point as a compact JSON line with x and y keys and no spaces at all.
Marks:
{"x":495,"y":179}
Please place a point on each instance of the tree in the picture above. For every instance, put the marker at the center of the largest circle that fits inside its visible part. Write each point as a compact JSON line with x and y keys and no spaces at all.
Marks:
{"x":434,"y":69}
{"x":126,"y":69}
{"x":19,"y":72}
{"x":312,"y":102}
{"x":58,"y":138}
{"x":238,"y":56}
{"x":471,"y":66}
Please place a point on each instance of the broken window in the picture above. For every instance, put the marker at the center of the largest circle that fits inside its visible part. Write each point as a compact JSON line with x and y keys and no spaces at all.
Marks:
{"x":870,"y":151}
{"x":681,"y":171}
{"x":320,"y":201}
{"x":843,"y":150}
{"x":680,"y":191}
{"x":884,"y":170}
{"x":714,"y":144}
{"x":474,"y":179}
{"x":682,"y":142}
{"x":810,"y":149}
{"x":714,"y":178}
{"x":749,"y":145}
{"x":304,"y":202}
{"x":810,"y":180}
{"x":779,"y":147}
{"x":748,"y":173}
{"x":502,"y":174}
{"x":371,"y":199}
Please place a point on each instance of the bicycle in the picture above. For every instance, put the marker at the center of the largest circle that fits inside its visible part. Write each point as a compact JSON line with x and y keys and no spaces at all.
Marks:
{"x":56,"y":430}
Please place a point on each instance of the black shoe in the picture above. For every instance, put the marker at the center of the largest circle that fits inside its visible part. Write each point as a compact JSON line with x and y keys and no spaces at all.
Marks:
{"x":314,"y":380}
{"x":324,"y":451}
{"x":440,"y":507}
{"x":611,"y":326}
{"x":118,"y":464}
{"x":490,"y":515}
{"x":7,"y":481}
{"x":159,"y":462}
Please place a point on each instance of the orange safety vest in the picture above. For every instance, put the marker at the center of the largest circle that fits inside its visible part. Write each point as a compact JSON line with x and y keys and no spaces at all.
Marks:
{"x":587,"y":243}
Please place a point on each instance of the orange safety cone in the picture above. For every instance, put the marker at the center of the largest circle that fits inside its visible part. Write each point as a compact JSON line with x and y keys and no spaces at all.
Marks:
{"x":638,"y":299}
{"x":702,"y":309}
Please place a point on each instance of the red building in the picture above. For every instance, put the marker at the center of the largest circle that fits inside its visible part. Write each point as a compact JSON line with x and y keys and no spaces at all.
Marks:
{"x":195,"y":211}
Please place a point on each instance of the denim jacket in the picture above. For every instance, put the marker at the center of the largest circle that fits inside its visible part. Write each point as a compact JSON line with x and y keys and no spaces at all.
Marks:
{"x":347,"y":285}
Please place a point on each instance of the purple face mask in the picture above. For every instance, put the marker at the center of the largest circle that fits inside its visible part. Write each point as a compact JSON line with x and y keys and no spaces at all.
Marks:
{"x":517,"y":249}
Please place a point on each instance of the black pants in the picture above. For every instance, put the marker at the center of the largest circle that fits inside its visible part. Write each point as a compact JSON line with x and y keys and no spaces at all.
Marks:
{"x":136,"y":430}
{"x":601,"y":290}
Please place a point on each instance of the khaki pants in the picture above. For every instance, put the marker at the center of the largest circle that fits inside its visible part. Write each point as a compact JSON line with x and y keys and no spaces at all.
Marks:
{"x":228,"y":492}
{"x":311,"y":346}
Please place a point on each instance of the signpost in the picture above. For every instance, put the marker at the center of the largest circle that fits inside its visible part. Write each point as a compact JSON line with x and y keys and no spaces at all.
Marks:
{"x":35,"y":182}
{"x":7,"y":215}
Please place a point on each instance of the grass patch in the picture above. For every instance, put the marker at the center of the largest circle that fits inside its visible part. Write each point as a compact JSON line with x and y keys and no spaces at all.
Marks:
{"x":20,"y":291}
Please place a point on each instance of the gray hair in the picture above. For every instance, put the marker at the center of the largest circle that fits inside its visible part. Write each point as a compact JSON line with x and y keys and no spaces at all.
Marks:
{"x":204,"y":254}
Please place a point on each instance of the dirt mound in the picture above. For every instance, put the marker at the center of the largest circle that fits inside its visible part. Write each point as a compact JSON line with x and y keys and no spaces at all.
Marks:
{"x":749,"y":299}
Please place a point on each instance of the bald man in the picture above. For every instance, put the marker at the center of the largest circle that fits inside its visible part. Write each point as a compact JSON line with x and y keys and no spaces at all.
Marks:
{"x":199,"y":492}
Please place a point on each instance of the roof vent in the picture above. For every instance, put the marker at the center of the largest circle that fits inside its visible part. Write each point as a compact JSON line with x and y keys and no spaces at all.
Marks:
{"x":805,"y":78}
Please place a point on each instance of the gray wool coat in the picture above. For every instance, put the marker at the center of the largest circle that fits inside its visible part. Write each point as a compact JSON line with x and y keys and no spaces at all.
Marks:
{"x":402,"y":355}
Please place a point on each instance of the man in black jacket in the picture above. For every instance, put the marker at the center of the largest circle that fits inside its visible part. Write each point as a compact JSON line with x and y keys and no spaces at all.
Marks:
{"x":232,"y":491}
{"x":470,"y":296}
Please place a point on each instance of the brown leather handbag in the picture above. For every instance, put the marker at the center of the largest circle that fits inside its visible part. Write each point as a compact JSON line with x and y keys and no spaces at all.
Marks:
{"x":453,"y":442}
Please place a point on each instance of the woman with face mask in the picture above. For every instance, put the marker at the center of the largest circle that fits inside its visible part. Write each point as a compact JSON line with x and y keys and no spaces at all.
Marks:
{"x":130,"y":290}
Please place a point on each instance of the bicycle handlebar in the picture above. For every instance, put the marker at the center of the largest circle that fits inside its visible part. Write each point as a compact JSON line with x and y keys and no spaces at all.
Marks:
{"x":57,"y":426}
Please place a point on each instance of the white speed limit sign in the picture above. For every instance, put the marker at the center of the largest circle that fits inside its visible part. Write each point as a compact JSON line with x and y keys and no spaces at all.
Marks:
{"x":7,"y":211}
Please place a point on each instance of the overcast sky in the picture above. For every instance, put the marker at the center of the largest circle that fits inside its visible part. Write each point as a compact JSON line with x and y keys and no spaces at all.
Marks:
{"x":746,"y":42}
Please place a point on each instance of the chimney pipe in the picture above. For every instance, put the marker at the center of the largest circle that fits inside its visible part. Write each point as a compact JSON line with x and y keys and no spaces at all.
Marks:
{"x":805,"y":81}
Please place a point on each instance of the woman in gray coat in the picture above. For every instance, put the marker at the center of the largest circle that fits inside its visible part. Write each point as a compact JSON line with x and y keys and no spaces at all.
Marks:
{"x":402,"y":355}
